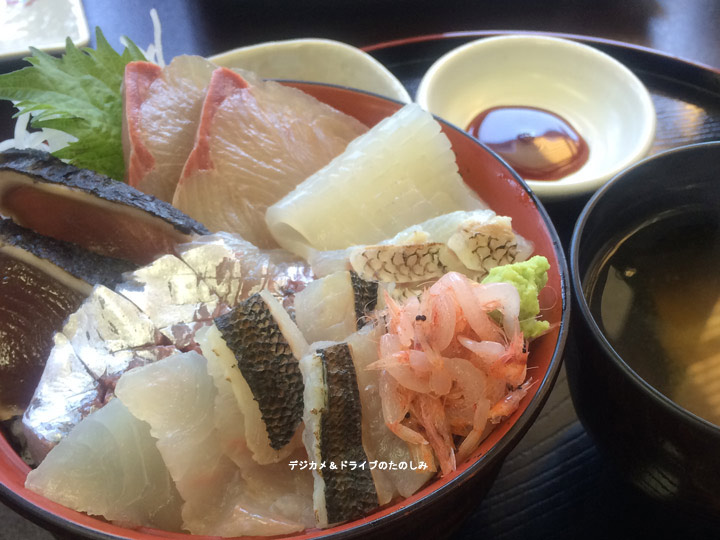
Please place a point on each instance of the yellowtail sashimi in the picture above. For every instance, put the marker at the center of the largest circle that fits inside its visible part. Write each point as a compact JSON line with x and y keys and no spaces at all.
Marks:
{"x":279,"y":135}
{"x":401,"y":172}
{"x":161,"y":113}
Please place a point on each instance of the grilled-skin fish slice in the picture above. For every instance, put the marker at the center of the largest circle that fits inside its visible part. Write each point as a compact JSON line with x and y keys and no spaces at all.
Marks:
{"x":333,"y":436}
{"x":259,"y":346}
{"x":40,"y":192}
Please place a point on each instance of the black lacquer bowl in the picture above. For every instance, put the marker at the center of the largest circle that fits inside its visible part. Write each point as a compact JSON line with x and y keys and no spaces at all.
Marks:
{"x":667,"y":452}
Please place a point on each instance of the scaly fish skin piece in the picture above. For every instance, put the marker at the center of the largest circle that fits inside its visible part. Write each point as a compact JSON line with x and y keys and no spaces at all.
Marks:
{"x":401,"y":263}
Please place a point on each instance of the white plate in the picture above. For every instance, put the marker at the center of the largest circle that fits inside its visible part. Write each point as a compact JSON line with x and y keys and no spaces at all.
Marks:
{"x":601,"y":98}
{"x":44,"y":24}
{"x":316,"y":60}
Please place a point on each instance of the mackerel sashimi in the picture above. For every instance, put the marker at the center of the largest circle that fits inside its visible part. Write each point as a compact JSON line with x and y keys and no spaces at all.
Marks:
{"x":161,"y":113}
{"x":256,"y":141}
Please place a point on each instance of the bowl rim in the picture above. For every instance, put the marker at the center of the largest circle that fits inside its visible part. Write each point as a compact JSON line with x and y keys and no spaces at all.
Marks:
{"x":495,"y":455}
{"x":558,"y":189}
{"x":583,"y":308}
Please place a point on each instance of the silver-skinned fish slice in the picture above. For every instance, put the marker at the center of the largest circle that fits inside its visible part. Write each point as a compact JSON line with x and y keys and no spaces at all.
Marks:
{"x":259,"y":346}
{"x":43,"y":281}
{"x":344,"y":485}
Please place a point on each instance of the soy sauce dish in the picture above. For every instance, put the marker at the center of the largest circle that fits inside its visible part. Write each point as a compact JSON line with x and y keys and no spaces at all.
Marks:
{"x":566,"y":116}
{"x":644,"y":371}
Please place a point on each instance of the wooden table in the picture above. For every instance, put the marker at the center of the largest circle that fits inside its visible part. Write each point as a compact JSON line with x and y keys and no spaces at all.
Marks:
{"x":554,"y":484}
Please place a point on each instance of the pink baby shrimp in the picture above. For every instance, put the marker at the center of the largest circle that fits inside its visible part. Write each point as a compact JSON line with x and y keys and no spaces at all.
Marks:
{"x":446,"y":362}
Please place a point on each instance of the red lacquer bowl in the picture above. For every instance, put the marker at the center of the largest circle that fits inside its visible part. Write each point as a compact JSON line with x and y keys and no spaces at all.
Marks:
{"x":438,"y":509}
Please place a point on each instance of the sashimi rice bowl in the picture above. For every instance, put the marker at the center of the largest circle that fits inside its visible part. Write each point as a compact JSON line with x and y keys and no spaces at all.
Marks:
{"x":277,"y":309}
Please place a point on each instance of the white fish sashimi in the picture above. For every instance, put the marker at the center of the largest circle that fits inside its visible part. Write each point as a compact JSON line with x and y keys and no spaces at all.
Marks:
{"x":178,"y":398}
{"x":400,"y":172}
{"x":270,"y":364}
{"x":380,"y":443}
{"x":109,"y":466}
{"x":325,"y":309}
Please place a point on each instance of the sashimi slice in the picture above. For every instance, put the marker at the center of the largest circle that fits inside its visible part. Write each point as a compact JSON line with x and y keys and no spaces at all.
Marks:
{"x":399,"y":173}
{"x":332,"y":308}
{"x":333,"y":436}
{"x":109,"y":466}
{"x":161,"y":113}
{"x":256,"y":141}
{"x":258,"y":346}
{"x":177,"y":398}
{"x":381,"y":444}
{"x":235,"y":269}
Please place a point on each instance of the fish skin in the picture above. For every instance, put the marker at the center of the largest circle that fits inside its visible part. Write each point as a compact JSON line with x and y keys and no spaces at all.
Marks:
{"x":268,"y":364}
{"x":82,"y":264}
{"x":42,"y":167}
{"x":400,"y":263}
{"x":235,"y":269}
{"x":345,"y":494}
{"x":366,"y":297}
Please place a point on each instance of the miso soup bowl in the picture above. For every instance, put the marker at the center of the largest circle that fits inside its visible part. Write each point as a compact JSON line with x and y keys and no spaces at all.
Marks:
{"x":437,"y":509}
{"x":663,"y":450}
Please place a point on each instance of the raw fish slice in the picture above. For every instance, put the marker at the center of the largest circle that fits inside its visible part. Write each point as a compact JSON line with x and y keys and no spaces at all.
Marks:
{"x":109,"y":466}
{"x":168,"y":291}
{"x":234,"y":269}
{"x":380,"y":443}
{"x":333,"y":436}
{"x":177,"y":397}
{"x":400,"y":172}
{"x":281,"y":487}
{"x":40,"y":192}
{"x":332,"y":308}
{"x":107,"y":324}
{"x":256,"y":141}
{"x":161,"y":113}
{"x":403,"y":263}
{"x":65,"y":394}
{"x":258,"y":346}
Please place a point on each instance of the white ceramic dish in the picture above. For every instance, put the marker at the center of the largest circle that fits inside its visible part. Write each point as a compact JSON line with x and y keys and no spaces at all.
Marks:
{"x":44,"y":24}
{"x":316,"y":60}
{"x":601,"y":98}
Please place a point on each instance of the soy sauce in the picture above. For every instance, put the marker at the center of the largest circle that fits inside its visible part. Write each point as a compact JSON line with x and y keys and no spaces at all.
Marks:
{"x":538,"y":144}
{"x":657,"y":300}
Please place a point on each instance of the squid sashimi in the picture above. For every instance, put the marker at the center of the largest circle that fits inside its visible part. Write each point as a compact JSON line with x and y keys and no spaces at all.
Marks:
{"x":258,"y":345}
{"x":161,"y":113}
{"x":453,"y":364}
{"x":400,"y":172}
{"x":255,"y":142}
{"x":177,"y":398}
{"x":109,"y":466}
{"x":332,"y":308}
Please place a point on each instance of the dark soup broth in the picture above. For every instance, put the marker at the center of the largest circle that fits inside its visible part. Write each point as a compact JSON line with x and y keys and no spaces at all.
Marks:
{"x":657,"y":299}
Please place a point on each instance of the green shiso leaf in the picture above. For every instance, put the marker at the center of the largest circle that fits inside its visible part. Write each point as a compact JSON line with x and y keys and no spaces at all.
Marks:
{"x":80,"y":94}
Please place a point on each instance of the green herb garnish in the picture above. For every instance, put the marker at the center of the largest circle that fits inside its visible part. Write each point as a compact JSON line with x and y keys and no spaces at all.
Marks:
{"x":80,"y":94}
